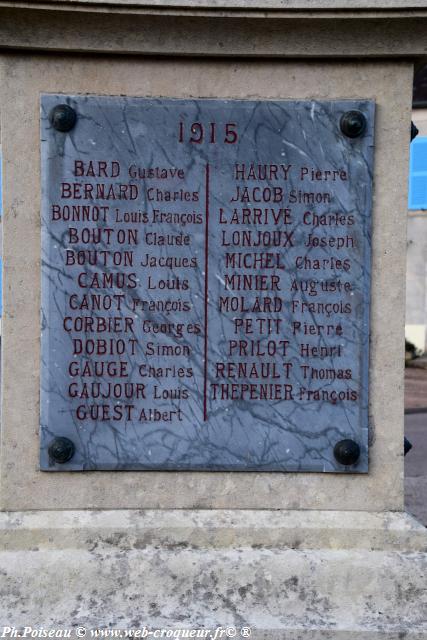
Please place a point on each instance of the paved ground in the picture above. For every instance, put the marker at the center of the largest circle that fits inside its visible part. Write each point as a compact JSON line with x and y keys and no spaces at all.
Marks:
{"x":416,"y":466}
{"x":416,"y":432}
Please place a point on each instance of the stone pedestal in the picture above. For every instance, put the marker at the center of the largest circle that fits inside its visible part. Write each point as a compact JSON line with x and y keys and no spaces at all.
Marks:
{"x":295,"y":555}
{"x":284,"y":574}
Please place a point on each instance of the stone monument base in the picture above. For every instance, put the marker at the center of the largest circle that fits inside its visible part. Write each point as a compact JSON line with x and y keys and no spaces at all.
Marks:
{"x":285,"y":574}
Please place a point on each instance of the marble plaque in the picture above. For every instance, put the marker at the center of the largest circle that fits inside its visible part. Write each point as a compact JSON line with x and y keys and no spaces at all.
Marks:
{"x":205,"y":284}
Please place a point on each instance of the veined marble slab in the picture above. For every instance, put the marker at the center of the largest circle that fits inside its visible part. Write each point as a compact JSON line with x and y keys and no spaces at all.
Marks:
{"x":205,"y":284}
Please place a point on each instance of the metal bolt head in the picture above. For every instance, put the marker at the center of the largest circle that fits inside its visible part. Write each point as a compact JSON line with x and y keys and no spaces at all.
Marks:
{"x":353,"y":124}
{"x":61,"y":450}
{"x":63,"y":117}
{"x":347,"y":452}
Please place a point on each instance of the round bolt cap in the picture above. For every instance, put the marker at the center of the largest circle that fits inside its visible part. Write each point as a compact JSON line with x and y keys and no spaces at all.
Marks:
{"x":61,"y":450}
{"x":347,"y":452}
{"x":353,"y":124}
{"x":63,"y":117}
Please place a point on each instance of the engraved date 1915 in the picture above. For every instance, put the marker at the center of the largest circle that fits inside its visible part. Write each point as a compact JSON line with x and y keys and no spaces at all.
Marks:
{"x":197,"y":132}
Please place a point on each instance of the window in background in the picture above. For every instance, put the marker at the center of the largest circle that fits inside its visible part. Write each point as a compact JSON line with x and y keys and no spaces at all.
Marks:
{"x":418,"y":174}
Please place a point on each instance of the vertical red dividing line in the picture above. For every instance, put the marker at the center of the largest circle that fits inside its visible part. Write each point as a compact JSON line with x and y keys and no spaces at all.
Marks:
{"x":205,"y":382}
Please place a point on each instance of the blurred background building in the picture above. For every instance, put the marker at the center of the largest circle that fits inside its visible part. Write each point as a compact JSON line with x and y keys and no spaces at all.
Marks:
{"x":416,"y":271}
